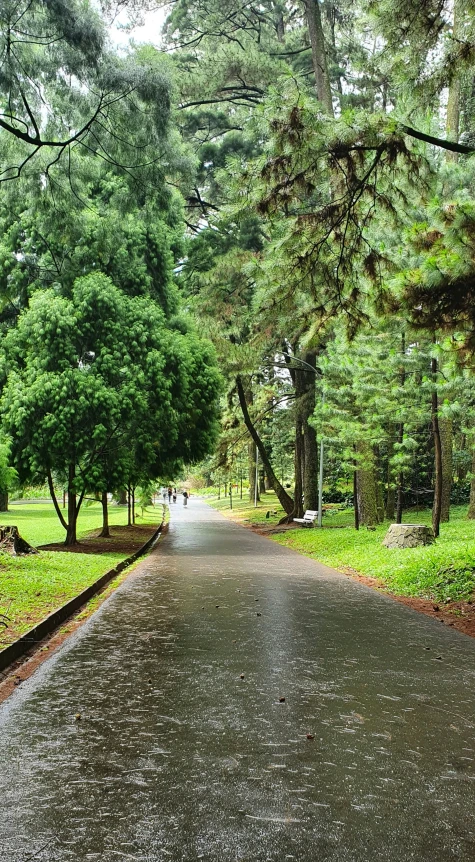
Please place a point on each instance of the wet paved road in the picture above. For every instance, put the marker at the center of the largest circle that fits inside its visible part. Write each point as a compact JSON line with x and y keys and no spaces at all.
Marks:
{"x":178,"y":758}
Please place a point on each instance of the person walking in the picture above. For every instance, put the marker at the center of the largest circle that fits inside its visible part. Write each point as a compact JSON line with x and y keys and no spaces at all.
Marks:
{"x":170,"y":492}
{"x":185,"y":498}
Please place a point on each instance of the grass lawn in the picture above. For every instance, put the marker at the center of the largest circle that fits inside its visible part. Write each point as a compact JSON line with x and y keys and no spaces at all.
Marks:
{"x":443,"y":571}
{"x":243,"y":510}
{"x":31,"y":587}
{"x":39,"y":524}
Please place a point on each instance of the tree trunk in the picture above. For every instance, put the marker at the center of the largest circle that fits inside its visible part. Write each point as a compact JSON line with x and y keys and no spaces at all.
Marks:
{"x":446,"y":441}
{"x":129,"y":507}
{"x":390,"y":505}
{"x":379,"y":500}
{"x":355,"y":501}
{"x":462,"y":468}
{"x":379,"y":487}
{"x":366,"y":488}
{"x":54,"y":499}
{"x":299,"y":451}
{"x":319,"y":56}
{"x":105,"y":534}
{"x":400,"y":438}
{"x":355,"y":497}
{"x":285,"y":501}
{"x":262,"y":481}
{"x":71,"y":534}
{"x":471,"y":508}
{"x":252,"y":459}
{"x":267,"y":484}
{"x":122,"y":497}
{"x":436,"y":509}
{"x":3,"y":500}
{"x":400,"y":481}
{"x":330,"y":13}
{"x":133,"y":505}
{"x":307,"y":409}
{"x":453,"y":103}
{"x":366,"y":491}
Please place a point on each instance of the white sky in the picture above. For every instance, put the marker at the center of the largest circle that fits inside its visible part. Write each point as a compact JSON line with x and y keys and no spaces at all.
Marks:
{"x":149,"y":32}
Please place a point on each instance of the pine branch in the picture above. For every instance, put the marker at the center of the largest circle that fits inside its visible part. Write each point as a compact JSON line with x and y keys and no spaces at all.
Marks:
{"x":453,"y":146}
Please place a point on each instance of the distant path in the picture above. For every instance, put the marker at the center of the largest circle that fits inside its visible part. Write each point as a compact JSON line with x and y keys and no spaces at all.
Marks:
{"x":177,"y":758}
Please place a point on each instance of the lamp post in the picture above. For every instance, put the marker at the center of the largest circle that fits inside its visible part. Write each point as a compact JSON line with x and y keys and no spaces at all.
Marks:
{"x":320,"y":478}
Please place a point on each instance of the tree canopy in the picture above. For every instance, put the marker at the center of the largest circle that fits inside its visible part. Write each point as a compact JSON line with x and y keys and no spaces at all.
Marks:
{"x":294,"y":177}
{"x":101,"y":373}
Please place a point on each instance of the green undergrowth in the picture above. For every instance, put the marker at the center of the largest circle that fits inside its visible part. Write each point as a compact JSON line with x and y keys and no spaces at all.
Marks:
{"x":443,"y":572}
{"x":31,"y":587}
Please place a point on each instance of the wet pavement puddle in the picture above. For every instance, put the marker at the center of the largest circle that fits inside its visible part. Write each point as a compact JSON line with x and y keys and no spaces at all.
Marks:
{"x":239,"y":703}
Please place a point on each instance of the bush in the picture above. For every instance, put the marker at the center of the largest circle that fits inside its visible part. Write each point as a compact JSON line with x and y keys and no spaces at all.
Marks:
{"x":334,"y":495}
{"x":460,"y":494}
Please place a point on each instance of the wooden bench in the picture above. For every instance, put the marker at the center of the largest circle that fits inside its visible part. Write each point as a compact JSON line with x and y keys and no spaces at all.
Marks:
{"x":308,"y":519}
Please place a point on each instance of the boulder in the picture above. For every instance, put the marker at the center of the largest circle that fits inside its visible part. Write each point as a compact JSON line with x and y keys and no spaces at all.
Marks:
{"x":408,"y":536}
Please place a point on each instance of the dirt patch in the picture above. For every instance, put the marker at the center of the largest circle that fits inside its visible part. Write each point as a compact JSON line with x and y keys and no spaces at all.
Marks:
{"x":123,"y":540}
{"x":269,"y":529}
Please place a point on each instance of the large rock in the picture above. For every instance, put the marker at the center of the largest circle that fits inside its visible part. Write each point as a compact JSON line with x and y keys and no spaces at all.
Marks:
{"x":408,"y":536}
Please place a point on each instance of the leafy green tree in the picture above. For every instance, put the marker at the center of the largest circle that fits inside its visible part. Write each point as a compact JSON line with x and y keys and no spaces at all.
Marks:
{"x":376,"y":413}
{"x":99,"y":374}
{"x":8,"y":475}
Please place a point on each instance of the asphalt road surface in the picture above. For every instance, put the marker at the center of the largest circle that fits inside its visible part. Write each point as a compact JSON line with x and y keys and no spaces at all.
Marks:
{"x":186,"y":748}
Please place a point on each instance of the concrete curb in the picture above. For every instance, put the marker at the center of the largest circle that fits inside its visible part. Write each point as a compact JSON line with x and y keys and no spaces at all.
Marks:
{"x":18,"y":648}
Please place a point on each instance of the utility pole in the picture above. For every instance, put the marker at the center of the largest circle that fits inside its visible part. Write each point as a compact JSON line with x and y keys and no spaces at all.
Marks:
{"x":320,"y":486}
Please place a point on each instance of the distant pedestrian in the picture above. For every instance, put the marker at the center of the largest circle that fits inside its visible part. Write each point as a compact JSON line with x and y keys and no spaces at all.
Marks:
{"x":170,"y":492}
{"x":174,"y":497}
{"x":185,"y":498}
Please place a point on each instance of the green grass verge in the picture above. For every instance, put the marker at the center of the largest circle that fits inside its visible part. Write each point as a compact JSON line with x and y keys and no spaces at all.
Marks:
{"x":444,"y":571}
{"x":243,"y":510}
{"x":32,"y":587}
